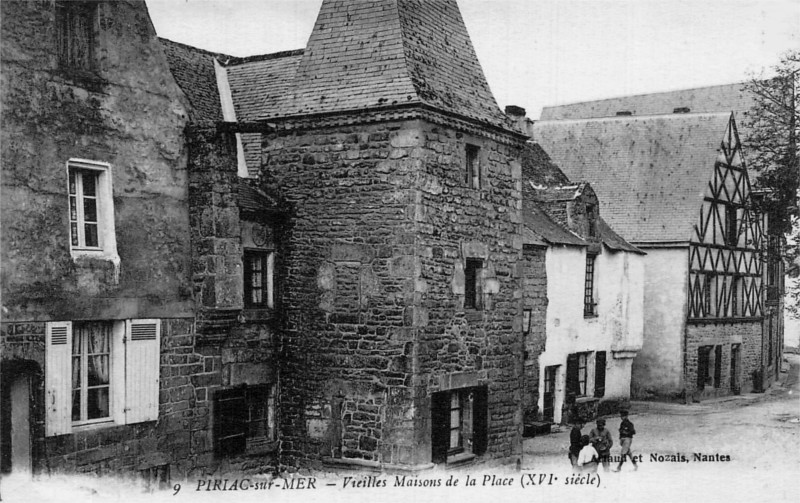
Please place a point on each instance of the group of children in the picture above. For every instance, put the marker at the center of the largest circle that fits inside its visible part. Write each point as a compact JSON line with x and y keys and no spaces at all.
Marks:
{"x":586,"y":451}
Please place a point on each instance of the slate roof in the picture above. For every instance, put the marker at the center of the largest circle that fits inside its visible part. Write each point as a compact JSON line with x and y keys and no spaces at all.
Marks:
{"x":649,"y":173}
{"x":386,"y":53}
{"x":712,"y":99}
{"x":540,"y":228}
{"x":193,"y":70}
{"x":253,"y":200}
{"x":259,"y":84}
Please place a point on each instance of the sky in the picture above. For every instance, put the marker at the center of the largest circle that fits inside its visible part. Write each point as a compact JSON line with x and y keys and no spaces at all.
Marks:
{"x":539,"y":53}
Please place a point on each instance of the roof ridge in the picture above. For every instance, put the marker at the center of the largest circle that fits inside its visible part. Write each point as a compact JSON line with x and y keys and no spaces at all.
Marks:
{"x":193,"y":48}
{"x":236,"y":60}
{"x":639,"y":95}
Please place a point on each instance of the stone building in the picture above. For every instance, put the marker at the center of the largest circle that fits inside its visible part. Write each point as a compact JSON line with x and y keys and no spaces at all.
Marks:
{"x":236,"y":263}
{"x":671,"y":178}
{"x":583,"y":294}
{"x":399,"y":288}
{"x":126,"y":319}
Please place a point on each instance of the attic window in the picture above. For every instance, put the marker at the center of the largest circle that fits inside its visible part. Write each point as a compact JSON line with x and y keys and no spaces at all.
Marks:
{"x":732,"y":226}
{"x":75,"y":32}
{"x":624,"y":113}
{"x":591,"y":217}
{"x":680,"y":110}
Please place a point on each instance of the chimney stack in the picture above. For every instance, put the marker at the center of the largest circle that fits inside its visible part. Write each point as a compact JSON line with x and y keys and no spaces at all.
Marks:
{"x":517,"y":115}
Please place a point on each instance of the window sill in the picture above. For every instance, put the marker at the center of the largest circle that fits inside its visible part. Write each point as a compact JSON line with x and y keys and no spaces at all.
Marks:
{"x":255,"y":315}
{"x":92,"y":425}
{"x":473,"y":314}
{"x":460,"y":459}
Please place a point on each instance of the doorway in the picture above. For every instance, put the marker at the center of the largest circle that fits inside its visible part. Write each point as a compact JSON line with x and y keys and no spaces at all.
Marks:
{"x":736,"y":361}
{"x":15,"y":423}
{"x":549,"y":396}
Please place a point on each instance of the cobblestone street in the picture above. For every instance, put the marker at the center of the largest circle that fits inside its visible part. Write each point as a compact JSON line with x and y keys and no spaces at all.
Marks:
{"x":759,"y":432}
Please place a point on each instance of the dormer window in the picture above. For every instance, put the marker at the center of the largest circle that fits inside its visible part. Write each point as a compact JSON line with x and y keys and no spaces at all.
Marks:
{"x":75,"y":32}
{"x":591,"y":218}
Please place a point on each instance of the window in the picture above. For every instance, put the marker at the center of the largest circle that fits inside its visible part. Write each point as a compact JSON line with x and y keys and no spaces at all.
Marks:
{"x":773,"y":268}
{"x":708,"y":281}
{"x":244,"y":419}
{"x":83,"y":208}
{"x":91,"y":366}
{"x":459,"y":424}
{"x":591,"y":219}
{"x":91,"y":209}
{"x":732,"y":226}
{"x":258,"y":279}
{"x":75,"y":28}
{"x":589,"y":303}
{"x":600,"y":374}
{"x":576,"y":374}
{"x":101,"y":372}
{"x":473,"y":167}
{"x":473,"y":292}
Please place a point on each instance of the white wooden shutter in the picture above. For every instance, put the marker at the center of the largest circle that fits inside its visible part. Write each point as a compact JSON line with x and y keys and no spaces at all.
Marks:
{"x":142,"y":352}
{"x":58,"y":378}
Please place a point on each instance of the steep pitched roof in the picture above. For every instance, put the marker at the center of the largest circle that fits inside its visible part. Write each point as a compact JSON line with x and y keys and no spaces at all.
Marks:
{"x":539,"y":227}
{"x":193,"y":70}
{"x":649,"y":173}
{"x":259,"y":84}
{"x":386,"y":53}
{"x":724,"y":98}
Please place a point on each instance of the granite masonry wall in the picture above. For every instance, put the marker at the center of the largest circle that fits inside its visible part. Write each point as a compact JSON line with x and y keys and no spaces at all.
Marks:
{"x":190,"y":374}
{"x":373,"y":288}
{"x":535,"y":300}
{"x":748,"y":334}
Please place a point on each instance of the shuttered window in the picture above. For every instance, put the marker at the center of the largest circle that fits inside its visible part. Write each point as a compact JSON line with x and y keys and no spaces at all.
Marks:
{"x":459,"y":423}
{"x":600,"y":374}
{"x":101,"y":371}
{"x":75,"y":26}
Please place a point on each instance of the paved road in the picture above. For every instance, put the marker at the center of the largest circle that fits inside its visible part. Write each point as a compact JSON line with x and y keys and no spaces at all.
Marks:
{"x":758,"y":432}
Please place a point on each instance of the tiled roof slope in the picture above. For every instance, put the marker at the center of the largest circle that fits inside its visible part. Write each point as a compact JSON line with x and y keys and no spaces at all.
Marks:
{"x":724,"y":98}
{"x":260,"y":84}
{"x":649,"y":173}
{"x":385,"y":53}
{"x":193,"y":70}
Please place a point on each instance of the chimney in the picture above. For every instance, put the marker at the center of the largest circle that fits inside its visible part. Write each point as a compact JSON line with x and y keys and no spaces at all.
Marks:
{"x":517,"y":116}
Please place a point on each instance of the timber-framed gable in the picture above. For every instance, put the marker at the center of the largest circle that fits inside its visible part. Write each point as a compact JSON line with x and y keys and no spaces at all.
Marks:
{"x":725,"y":269}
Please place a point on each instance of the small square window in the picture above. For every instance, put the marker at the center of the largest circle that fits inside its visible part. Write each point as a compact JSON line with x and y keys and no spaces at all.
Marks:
{"x":258,"y":279}
{"x":473,"y":290}
{"x":473,"y":167}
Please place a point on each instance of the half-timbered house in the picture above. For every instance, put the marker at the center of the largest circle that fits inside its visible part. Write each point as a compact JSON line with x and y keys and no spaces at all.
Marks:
{"x":674,"y":182}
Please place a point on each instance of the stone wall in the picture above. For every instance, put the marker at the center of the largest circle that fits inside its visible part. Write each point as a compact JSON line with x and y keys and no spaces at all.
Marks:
{"x":534,"y":299}
{"x":746,"y":333}
{"x":182,"y":437}
{"x":373,"y":287}
{"x":128,"y":112}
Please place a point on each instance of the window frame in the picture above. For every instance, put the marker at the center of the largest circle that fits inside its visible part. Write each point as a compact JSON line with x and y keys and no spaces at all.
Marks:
{"x":472,"y":166}
{"x":473,"y":286}
{"x":82,"y":354}
{"x":472,"y":429}
{"x":233,"y":425}
{"x":104,"y":207}
{"x":267,"y":287}
{"x":575,"y":385}
{"x":589,"y":284}
{"x":67,"y":38}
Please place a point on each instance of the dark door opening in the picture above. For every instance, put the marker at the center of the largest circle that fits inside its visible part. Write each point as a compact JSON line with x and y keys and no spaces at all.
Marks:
{"x":736,"y":355}
{"x":549,"y":397}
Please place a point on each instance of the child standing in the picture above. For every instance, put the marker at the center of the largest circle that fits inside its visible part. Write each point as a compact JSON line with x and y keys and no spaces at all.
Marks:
{"x":626,"y":433}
